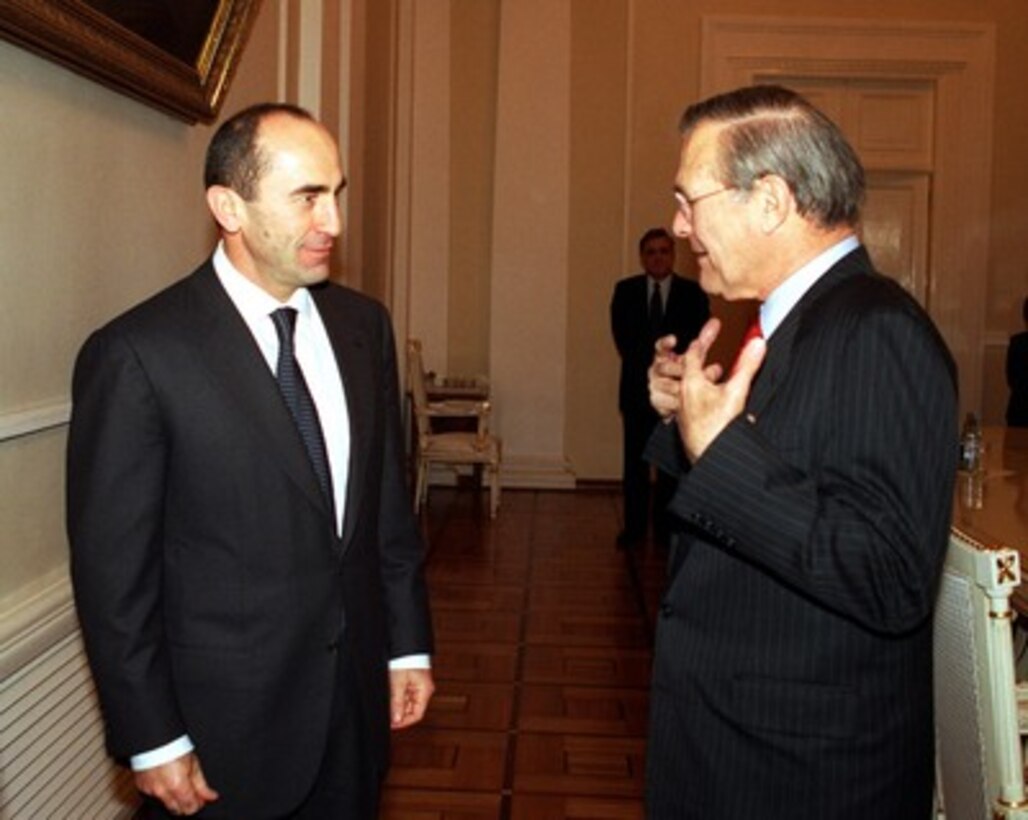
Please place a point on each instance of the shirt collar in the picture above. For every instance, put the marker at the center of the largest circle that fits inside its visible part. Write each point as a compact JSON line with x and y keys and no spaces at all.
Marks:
{"x":251,"y":300}
{"x":784,"y":298}
{"x":663,"y":285}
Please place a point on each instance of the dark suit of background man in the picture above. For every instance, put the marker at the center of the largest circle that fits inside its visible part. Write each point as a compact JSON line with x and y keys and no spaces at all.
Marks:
{"x":1017,"y":374}
{"x":637,"y":320}
{"x":252,"y":633}
{"x":793,"y":660}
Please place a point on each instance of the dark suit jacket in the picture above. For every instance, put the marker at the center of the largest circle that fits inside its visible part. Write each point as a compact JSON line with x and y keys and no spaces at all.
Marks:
{"x":794,"y":645}
{"x":686,"y":311}
{"x":212,"y":589}
{"x":1017,"y":380}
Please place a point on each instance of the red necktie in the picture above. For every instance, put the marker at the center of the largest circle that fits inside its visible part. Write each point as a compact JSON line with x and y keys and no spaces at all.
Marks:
{"x":753,"y":331}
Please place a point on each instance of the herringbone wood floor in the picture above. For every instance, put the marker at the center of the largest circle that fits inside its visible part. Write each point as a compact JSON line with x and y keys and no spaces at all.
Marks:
{"x":543,"y":635}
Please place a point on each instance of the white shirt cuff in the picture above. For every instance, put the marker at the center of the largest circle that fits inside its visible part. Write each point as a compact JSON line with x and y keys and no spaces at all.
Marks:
{"x":411,"y":662}
{"x":183,"y":745}
{"x":162,"y":754}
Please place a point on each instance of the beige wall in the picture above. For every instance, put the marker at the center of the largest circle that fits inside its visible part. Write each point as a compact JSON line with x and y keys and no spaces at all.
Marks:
{"x":1006,"y":274}
{"x":102,"y":205}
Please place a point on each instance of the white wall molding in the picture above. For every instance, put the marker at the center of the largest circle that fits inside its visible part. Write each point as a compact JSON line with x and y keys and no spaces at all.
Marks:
{"x":34,"y":420}
{"x":36,"y":621}
{"x":537,"y":473}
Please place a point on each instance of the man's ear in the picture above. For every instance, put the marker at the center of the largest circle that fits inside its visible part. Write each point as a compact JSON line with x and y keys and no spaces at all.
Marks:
{"x":227,"y":207}
{"x":776,"y":202}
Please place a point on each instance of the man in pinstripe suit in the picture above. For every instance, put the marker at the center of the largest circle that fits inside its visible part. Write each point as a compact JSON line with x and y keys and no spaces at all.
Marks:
{"x":793,"y":662}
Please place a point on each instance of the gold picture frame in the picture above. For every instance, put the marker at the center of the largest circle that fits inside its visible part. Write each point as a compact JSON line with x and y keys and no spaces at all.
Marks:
{"x":127,"y":45}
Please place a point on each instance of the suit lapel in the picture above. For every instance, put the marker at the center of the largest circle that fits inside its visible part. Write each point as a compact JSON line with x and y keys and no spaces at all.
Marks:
{"x":780,"y":346}
{"x":776,"y":363}
{"x":353,"y":359}
{"x":673,"y":295}
{"x":227,"y":349}
{"x":642,"y":297}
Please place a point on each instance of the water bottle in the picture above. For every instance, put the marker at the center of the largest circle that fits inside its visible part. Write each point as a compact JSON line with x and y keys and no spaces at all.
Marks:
{"x":971,"y":445}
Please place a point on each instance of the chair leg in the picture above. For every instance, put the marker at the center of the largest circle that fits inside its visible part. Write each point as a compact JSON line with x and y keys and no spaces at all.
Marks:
{"x":494,"y":489}
{"x":420,"y":487}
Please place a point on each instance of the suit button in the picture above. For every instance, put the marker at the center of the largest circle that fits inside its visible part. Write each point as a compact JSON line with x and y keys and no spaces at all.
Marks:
{"x":333,"y":645}
{"x":666,"y":610}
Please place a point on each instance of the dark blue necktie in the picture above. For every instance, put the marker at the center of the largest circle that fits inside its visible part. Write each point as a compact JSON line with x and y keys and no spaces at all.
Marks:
{"x":298,"y":398}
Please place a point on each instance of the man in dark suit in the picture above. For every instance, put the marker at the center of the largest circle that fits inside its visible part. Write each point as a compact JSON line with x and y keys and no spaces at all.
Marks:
{"x":793,"y":669}
{"x":1017,"y":374}
{"x":250,"y":587}
{"x":644,"y":308}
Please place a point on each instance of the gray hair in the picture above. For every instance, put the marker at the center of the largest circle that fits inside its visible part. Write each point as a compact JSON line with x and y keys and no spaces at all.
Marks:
{"x":772,"y":130}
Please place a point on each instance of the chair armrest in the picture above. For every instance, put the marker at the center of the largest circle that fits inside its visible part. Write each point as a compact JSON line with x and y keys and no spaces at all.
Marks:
{"x":1021,"y":693}
{"x":458,"y":408}
{"x":462,"y":409}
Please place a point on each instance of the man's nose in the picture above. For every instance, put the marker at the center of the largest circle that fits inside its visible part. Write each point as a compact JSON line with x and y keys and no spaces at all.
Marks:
{"x":680,"y":225}
{"x":330,"y":220}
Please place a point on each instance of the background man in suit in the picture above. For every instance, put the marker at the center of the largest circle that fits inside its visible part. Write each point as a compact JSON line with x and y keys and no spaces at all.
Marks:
{"x":1017,"y":374}
{"x":793,"y":661}
{"x":254,"y":611}
{"x":645,"y":307}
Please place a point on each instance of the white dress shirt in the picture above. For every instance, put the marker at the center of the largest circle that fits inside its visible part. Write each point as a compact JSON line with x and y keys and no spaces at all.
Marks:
{"x":664,"y":285}
{"x":315,"y":356}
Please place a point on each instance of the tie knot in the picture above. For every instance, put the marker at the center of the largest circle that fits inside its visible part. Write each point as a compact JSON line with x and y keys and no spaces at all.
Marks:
{"x":753,"y":331}
{"x":285,"y":324}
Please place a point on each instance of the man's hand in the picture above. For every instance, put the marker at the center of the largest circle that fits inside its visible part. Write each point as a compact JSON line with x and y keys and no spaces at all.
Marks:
{"x":664,"y":376}
{"x":178,"y":784}
{"x":706,"y":406}
{"x":410,"y":691}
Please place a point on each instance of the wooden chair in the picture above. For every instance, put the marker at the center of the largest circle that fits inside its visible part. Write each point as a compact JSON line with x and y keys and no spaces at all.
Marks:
{"x":980,"y":760}
{"x":478,"y":447}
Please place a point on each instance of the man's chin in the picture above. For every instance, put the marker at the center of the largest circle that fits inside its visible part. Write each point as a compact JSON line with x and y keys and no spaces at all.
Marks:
{"x":314,"y":274}
{"x":710,"y":281}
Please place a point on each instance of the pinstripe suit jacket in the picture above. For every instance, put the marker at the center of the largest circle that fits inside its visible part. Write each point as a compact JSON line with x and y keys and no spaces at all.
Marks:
{"x":793,"y":654}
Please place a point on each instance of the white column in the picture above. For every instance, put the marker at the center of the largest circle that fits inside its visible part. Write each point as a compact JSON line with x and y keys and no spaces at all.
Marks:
{"x":309,"y":68}
{"x":430,"y":181}
{"x":530,"y":241}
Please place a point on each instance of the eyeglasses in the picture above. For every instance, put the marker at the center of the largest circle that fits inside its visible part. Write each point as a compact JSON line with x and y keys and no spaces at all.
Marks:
{"x":687,"y":203}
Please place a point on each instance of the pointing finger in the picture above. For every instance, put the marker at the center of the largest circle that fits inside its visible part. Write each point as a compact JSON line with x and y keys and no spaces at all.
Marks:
{"x":751,"y":357}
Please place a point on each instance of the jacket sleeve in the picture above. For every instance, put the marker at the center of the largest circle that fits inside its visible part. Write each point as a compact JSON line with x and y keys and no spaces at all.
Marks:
{"x":401,"y":548}
{"x":850,"y":506}
{"x":116,"y":461}
{"x":623,"y":325}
